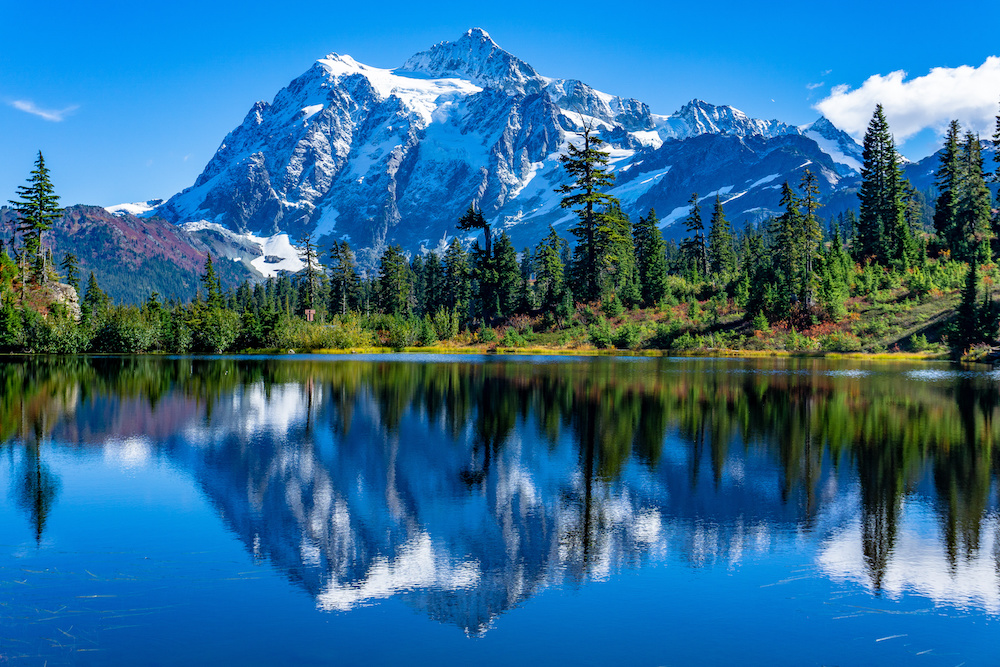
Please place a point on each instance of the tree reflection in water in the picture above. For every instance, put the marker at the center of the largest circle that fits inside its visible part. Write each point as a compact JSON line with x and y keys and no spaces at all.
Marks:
{"x":467,"y":485}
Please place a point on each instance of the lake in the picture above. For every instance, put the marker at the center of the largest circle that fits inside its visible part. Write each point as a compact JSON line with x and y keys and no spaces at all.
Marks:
{"x":497,"y":510}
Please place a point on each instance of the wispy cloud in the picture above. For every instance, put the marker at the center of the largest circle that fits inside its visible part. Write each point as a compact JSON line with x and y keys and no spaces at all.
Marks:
{"x":53,"y":115}
{"x":968,"y":94}
{"x":814,"y":86}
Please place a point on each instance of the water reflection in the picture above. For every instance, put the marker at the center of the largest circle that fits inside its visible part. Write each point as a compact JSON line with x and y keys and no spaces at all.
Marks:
{"x":465,"y":487}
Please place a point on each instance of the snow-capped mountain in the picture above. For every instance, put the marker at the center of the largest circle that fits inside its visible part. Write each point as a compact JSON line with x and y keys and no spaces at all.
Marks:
{"x":383,"y":156}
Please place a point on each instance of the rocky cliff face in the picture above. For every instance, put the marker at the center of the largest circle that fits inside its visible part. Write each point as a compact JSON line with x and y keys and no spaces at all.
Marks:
{"x":382,"y":156}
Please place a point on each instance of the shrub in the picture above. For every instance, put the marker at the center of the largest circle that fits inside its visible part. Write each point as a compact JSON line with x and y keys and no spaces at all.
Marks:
{"x":601,"y":334}
{"x":628,"y":336}
{"x":612,"y":306}
{"x":840,"y":341}
{"x":513,"y":338}
{"x":918,"y":343}
{"x":488,"y":335}
{"x":663,"y":336}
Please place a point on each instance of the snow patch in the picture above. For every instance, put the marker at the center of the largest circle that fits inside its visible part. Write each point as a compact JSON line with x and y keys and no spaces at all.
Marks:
{"x":139,"y":209}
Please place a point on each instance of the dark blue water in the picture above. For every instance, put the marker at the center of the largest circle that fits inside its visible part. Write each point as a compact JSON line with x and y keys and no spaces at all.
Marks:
{"x":391,"y":510}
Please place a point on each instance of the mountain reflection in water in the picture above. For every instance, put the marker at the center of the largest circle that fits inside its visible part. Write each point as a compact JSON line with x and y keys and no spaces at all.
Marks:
{"x":465,"y":486}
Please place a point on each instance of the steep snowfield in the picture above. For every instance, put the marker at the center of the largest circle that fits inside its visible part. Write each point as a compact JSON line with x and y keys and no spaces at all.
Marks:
{"x":275,"y":253}
{"x":382,"y":156}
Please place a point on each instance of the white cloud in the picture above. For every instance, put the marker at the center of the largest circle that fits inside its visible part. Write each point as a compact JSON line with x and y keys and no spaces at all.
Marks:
{"x":814,"y":86}
{"x":969,"y":94}
{"x":54,"y":115}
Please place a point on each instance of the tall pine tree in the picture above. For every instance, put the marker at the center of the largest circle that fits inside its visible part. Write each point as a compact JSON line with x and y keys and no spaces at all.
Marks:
{"x":721,"y":254}
{"x":37,"y":208}
{"x":948,"y":182}
{"x":694,"y":249}
{"x":587,"y":167}
{"x":651,"y":259}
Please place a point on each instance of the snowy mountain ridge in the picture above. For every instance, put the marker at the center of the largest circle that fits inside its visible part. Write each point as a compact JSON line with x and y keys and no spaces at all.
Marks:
{"x":380,"y":156}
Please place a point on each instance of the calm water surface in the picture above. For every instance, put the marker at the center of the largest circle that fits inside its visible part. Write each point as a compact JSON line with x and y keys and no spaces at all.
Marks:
{"x":456,"y":510}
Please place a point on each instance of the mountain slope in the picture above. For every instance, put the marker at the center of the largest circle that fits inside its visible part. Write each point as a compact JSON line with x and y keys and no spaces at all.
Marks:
{"x":132,"y":257}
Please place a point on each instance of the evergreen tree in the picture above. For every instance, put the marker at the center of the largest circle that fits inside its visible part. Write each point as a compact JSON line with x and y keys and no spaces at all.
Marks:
{"x":651,"y":259}
{"x":433,"y":283}
{"x":508,"y":278}
{"x":788,"y":259}
{"x":473,"y":219}
{"x":948,"y":183}
{"x":882,"y":229}
{"x":344,"y":281}
{"x":996,"y":151}
{"x":309,"y":276}
{"x":457,"y":279}
{"x":833,"y":273}
{"x":721,"y":254}
{"x":587,"y":167}
{"x":37,"y":209}
{"x":616,"y":256}
{"x":968,"y":310}
{"x":973,"y":211}
{"x":395,"y":283}
{"x":694,"y":250}
{"x":95,"y":301}
{"x":810,"y":236}
{"x":210,"y":281}
{"x":69,"y":266}
{"x":550,"y":279}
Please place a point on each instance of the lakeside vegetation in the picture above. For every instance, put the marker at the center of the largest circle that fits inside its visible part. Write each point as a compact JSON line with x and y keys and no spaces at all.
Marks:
{"x":902,"y":275}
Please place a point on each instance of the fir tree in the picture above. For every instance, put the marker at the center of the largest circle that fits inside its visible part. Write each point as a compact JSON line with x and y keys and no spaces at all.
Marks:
{"x":721,"y":254}
{"x":344,"y":282}
{"x":309,"y":276}
{"x":37,"y":209}
{"x":395,"y":283}
{"x":694,"y":250}
{"x":210,"y":281}
{"x":550,"y":278}
{"x":968,"y":310}
{"x":95,"y":301}
{"x":433,"y":283}
{"x":833,"y":279}
{"x":457,"y":279}
{"x":587,"y":167}
{"x":508,"y":278}
{"x":69,"y":267}
{"x":810,"y":236}
{"x":651,"y":259}
{"x":996,"y":151}
{"x":473,"y":219}
{"x":948,"y":183}
{"x":973,"y":210}
{"x":616,"y":253}
{"x":882,"y":229}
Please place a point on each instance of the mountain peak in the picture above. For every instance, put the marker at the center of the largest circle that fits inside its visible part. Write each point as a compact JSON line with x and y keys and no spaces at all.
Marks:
{"x":480,"y":34}
{"x":477,"y":58}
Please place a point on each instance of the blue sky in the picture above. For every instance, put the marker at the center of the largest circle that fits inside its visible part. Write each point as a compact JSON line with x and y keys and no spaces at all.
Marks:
{"x":128,"y":101}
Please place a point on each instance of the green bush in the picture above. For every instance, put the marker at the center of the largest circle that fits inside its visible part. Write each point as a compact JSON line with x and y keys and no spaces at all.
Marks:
{"x":628,"y":336}
{"x":686,"y":342}
{"x":513,"y":338}
{"x":663,"y":336}
{"x":840,"y":341}
{"x":445,"y":323}
{"x":488,"y":335}
{"x":602,"y":335}
{"x":918,"y":343}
